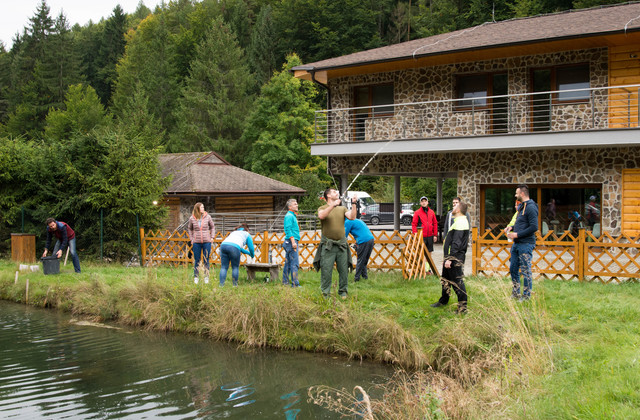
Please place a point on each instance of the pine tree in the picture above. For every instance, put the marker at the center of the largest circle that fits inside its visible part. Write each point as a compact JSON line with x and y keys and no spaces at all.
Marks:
{"x":5,"y":82}
{"x":137,"y":121}
{"x":215,"y":99}
{"x":149,"y":64}
{"x":61,"y":66}
{"x":82,"y":112}
{"x":26,"y":97}
{"x":88,"y":40}
{"x":111,"y":50}
{"x":261,"y":55}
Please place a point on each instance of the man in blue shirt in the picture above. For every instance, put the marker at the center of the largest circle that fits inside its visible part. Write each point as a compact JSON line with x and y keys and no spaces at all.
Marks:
{"x":524,"y":241}
{"x":291,"y":239}
{"x":364,"y":245}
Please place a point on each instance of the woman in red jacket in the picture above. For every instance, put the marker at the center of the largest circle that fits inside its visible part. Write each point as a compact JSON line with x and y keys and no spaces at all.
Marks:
{"x":201,"y":233}
{"x":427,"y":217}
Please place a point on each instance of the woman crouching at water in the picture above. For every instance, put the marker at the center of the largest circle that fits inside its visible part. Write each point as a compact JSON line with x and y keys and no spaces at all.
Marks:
{"x":230,"y":250}
{"x":201,"y":232}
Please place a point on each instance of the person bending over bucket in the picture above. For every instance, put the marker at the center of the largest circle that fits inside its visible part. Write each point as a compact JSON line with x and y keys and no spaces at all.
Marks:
{"x":66,"y":237}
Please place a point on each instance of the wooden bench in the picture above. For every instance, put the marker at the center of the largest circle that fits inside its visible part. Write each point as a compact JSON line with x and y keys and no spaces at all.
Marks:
{"x":271,"y":268}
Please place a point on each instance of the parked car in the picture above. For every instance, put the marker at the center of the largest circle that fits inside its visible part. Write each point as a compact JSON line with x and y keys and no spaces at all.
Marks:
{"x":383,"y":213}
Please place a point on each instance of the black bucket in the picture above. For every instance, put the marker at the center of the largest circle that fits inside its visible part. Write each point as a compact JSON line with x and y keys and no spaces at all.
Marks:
{"x":50,"y":265}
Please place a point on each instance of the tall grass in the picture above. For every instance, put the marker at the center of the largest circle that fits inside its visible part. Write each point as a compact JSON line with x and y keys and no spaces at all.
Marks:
{"x":475,"y":363}
{"x":256,"y":315}
{"x":571,"y":352}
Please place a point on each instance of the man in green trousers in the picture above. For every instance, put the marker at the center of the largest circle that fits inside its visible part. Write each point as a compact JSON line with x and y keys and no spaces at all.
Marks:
{"x":333,"y":246}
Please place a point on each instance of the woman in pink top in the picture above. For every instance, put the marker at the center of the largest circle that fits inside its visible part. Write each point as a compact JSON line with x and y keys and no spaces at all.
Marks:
{"x":201,"y":232}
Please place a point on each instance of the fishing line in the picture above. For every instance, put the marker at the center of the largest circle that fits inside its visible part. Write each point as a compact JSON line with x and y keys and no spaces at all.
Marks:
{"x":277,"y":217}
{"x":365,"y":166}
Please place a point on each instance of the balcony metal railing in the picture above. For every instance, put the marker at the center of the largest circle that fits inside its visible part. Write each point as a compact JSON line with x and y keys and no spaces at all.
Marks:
{"x":599,"y":108}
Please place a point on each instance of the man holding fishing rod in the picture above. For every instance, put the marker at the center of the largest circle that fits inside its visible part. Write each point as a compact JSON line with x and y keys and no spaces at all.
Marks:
{"x":333,"y":247}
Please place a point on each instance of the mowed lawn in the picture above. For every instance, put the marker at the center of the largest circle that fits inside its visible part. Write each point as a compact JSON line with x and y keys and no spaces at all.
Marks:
{"x":572,"y":352}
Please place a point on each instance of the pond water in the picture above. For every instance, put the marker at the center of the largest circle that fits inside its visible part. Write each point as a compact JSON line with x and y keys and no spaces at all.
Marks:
{"x":54,"y":367}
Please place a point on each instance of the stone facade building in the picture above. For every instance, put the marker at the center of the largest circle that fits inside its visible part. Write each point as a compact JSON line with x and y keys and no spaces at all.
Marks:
{"x":550,"y":101}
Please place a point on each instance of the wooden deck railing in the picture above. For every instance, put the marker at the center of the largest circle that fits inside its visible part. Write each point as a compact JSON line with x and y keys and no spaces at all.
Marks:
{"x":163,"y":247}
{"x":584,"y":257}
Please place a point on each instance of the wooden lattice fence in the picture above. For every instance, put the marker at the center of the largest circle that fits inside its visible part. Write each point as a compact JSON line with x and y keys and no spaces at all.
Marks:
{"x":583,"y":257}
{"x":163,"y":247}
{"x":566,"y":257}
{"x":417,"y":258}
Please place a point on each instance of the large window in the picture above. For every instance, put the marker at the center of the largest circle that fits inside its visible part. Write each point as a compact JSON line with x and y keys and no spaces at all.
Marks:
{"x":373,"y":96}
{"x":472,"y":91}
{"x":368,"y":99}
{"x":562,"y":79}
{"x":561,"y":207}
{"x":570,"y":78}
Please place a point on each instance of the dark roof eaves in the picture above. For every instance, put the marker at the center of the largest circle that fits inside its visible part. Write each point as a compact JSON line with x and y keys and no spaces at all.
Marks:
{"x":487,"y":47}
{"x":239,"y":193}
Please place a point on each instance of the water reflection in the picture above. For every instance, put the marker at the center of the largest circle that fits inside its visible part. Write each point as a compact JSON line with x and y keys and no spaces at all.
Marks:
{"x":52,"y":368}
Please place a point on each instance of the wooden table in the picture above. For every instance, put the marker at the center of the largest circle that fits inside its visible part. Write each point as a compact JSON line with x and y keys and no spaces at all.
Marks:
{"x":272,"y":268}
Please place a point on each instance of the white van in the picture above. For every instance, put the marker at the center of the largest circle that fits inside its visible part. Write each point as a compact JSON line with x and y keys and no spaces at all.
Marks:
{"x":365,"y":199}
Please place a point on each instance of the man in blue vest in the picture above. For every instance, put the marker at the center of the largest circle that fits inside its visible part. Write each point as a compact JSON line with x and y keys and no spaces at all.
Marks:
{"x":364,"y":245}
{"x":66,"y":237}
{"x":290,"y":245}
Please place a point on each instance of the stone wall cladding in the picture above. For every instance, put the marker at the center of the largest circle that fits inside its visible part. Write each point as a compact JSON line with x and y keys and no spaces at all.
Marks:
{"x":556,"y":166}
{"x":441,"y":119}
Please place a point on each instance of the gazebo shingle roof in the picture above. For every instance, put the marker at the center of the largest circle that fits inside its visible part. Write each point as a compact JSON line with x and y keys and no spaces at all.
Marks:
{"x":207,"y":173}
{"x":564,"y":25}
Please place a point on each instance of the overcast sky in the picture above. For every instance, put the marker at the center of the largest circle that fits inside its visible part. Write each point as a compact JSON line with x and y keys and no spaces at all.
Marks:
{"x":15,"y":14}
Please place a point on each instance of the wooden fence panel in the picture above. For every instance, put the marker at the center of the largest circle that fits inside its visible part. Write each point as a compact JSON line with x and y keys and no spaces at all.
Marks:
{"x":388,"y":250}
{"x":161,"y":247}
{"x":565,"y":257}
{"x":610,"y":259}
{"x":606,"y":259}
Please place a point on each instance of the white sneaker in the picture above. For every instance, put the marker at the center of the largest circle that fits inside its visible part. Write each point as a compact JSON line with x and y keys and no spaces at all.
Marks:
{"x":195,"y":280}
{"x":206,"y":280}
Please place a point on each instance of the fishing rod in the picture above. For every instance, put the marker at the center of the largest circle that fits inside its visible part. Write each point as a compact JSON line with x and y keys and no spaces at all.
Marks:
{"x":344,"y":195}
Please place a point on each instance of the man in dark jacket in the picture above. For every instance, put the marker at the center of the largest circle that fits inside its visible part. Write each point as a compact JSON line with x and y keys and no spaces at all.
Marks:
{"x":524,"y":241}
{"x":66,"y":237}
{"x":455,"y":249}
{"x":448,"y":221}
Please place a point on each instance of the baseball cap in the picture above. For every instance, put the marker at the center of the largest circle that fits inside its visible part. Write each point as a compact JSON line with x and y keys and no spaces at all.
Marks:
{"x":424,"y":197}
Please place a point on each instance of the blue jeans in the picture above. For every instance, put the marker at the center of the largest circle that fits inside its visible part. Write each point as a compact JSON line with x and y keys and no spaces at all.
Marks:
{"x":521,"y":255}
{"x":291,"y":264}
{"x":72,"y":251}
{"x":205,"y":250}
{"x":229,"y":254}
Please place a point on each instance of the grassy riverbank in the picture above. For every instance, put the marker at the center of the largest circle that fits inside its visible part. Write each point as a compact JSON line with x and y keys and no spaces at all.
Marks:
{"x":573,"y":352}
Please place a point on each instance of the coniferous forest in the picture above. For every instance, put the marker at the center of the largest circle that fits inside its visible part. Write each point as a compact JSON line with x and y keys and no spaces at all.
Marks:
{"x":85,"y":110}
